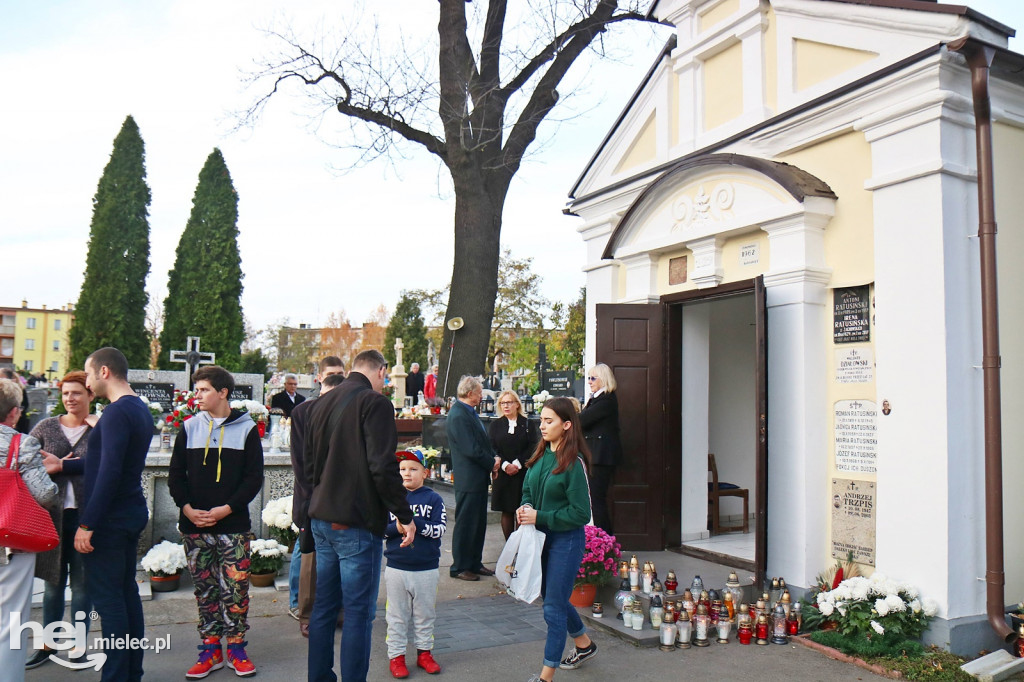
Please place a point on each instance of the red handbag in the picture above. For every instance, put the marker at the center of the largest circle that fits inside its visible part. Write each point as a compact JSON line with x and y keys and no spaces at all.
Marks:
{"x":24,"y":525}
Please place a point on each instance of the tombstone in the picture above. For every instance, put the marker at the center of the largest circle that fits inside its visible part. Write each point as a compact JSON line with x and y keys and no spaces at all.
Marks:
{"x":398,"y":374}
{"x":158,"y":385}
{"x":192,"y":357}
{"x":559,"y":383}
{"x":248,"y":387}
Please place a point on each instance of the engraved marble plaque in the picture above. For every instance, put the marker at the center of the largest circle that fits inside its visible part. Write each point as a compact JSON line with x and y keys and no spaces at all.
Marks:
{"x":853,"y":520}
{"x":855,"y":365}
{"x":856,"y":435}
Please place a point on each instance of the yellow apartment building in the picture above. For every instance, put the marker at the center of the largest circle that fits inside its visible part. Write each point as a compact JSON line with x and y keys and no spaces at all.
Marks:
{"x":41,"y":339}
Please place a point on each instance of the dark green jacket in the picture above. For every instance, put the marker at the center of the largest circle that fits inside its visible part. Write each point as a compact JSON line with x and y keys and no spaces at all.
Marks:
{"x":562,"y":500}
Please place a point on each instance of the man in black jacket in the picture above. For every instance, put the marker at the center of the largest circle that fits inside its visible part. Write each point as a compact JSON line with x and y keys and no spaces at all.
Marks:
{"x":414,"y":383}
{"x":350,"y":458}
{"x":288,"y":399}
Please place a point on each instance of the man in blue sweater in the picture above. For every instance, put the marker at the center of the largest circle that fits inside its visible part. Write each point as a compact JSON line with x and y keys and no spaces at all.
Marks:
{"x":113,"y":513}
{"x":411,"y":574}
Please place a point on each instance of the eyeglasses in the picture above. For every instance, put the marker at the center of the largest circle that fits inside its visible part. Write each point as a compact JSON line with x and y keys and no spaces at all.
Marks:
{"x":507,"y":403}
{"x":591,"y":378}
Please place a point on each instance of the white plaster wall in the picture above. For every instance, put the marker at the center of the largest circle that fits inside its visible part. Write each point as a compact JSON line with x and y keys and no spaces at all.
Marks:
{"x":732,"y":421}
{"x":797,"y":459}
{"x":695,"y":386}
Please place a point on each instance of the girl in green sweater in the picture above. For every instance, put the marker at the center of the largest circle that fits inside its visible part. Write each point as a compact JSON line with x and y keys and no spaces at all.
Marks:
{"x":556,"y":498}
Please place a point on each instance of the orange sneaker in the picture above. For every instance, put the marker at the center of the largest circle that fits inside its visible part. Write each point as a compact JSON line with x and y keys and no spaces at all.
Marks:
{"x":398,"y":669}
{"x":238,"y":660}
{"x":426,"y":661}
{"x":211,"y":657}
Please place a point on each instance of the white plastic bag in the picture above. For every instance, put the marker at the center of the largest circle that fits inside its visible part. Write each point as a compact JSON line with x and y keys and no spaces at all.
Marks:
{"x":519,"y":568}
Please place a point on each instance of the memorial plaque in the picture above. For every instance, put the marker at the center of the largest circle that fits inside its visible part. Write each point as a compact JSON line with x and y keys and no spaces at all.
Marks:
{"x":856,"y":435}
{"x":855,"y":365}
{"x":241,"y":392}
{"x":851,"y":314}
{"x":559,"y":383}
{"x":155,"y":393}
{"x":853,"y":520}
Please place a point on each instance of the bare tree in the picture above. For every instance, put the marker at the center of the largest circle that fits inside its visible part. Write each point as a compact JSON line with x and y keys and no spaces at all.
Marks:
{"x":477,"y":109}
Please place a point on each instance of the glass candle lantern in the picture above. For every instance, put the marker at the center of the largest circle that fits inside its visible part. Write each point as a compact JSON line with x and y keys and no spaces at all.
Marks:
{"x":671,"y":583}
{"x":657,"y":612}
{"x":621,"y":596}
{"x":744,"y":633}
{"x":647,"y":578}
{"x":688,"y":604}
{"x":797,"y":610}
{"x":701,"y":625}
{"x":697,"y":586}
{"x":667,"y":633}
{"x":634,"y":574}
{"x":730,"y":605}
{"x":638,"y":617}
{"x":624,"y":569}
{"x":684,"y":630}
{"x":703,"y":599}
{"x":724,"y":626}
{"x":743,"y":616}
{"x":792,"y":627}
{"x":597,"y":610}
{"x":732,"y":586}
{"x":715,"y":612}
{"x":786,"y":601}
{"x":761,"y":629}
{"x":1020,"y":642}
{"x":759,"y":610}
{"x":774,"y":593}
{"x":779,"y":626}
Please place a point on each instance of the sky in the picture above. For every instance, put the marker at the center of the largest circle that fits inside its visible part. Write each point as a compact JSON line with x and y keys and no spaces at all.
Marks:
{"x":315,"y":236}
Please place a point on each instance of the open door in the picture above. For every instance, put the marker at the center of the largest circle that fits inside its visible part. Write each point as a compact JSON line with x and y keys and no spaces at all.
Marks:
{"x":761,"y":390}
{"x":630,"y":340}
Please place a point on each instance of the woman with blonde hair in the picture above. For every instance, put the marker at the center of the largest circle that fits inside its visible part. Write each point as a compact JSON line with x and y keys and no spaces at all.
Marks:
{"x":513,"y":438}
{"x":16,"y":567}
{"x":600,"y":422}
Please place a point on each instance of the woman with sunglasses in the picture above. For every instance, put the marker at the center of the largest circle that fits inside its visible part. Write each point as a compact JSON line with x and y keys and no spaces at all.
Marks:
{"x":600,"y":422}
{"x":513,"y":438}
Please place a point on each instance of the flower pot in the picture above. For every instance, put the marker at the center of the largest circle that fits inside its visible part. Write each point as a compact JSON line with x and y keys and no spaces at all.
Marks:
{"x":164,"y":583}
{"x":583,"y":596}
{"x":262,"y":579}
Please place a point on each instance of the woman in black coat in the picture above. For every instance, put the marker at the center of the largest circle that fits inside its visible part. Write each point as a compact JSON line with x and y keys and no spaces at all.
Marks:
{"x":513,"y":438}
{"x":600,"y":422}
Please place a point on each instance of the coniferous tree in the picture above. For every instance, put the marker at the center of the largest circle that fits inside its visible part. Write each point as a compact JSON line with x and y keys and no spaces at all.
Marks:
{"x":204,"y":289}
{"x":407,"y":324}
{"x":111,"y":308}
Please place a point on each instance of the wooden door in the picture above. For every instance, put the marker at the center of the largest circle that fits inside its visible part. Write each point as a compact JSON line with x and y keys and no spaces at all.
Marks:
{"x":761,"y":412}
{"x":631,"y":340}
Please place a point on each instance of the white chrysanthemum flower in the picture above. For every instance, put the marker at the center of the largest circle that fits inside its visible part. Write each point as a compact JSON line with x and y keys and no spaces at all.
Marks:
{"x":881,"y":607}
{"x":909,"y":590}
{"x":877,"y":627}
{"x":165,"y":558}
{"x":915,"y":606}
{"x":841,"y":607}
{"x":930,"y":607}
{"x":895,"y":603}
{"x":824,"y":597}
{"x":843,"y":591}
{"x":826,"y":608}
{"x":859,"y":590}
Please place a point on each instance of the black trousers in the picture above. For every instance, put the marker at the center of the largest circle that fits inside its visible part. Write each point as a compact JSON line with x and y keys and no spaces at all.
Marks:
{"x":600,"y":481}
{"x":470,"y":528}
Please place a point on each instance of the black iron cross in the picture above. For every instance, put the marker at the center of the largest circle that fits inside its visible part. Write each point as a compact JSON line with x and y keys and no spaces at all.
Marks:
{"x":192,"y":357}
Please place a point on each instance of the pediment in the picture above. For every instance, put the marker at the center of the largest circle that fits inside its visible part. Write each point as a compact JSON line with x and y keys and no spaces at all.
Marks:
{"x":713,"y":195}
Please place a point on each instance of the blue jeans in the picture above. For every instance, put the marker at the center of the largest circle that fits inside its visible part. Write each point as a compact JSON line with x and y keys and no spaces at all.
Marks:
{"x":110,"y":579}
{"x":70,"y":564}
{"x":347,"y":575}
{"x":294,"y":571}
{"x":563,"y":552}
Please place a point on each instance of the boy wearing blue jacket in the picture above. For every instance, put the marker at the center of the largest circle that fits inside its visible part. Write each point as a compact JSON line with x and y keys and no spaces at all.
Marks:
{"x":411,"y":573}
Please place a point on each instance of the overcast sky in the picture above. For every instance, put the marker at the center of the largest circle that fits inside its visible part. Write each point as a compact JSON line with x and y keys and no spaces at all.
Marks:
{"x":313,"y":239}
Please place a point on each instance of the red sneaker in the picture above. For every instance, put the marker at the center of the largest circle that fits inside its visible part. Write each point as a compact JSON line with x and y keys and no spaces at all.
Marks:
{"x":211,"y":657}
{"x":238,"y":660}
{"x":398,"y":669}
{"x":427,"y":662}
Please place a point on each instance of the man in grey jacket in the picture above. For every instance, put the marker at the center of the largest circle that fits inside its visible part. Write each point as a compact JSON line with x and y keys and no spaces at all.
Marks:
{"x":473,"y":461}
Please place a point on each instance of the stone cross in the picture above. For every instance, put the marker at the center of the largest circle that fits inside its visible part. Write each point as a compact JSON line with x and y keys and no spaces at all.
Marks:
{"x":192,"y":357}
{"x":398,"y":374}
{"x":398,"y":351}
